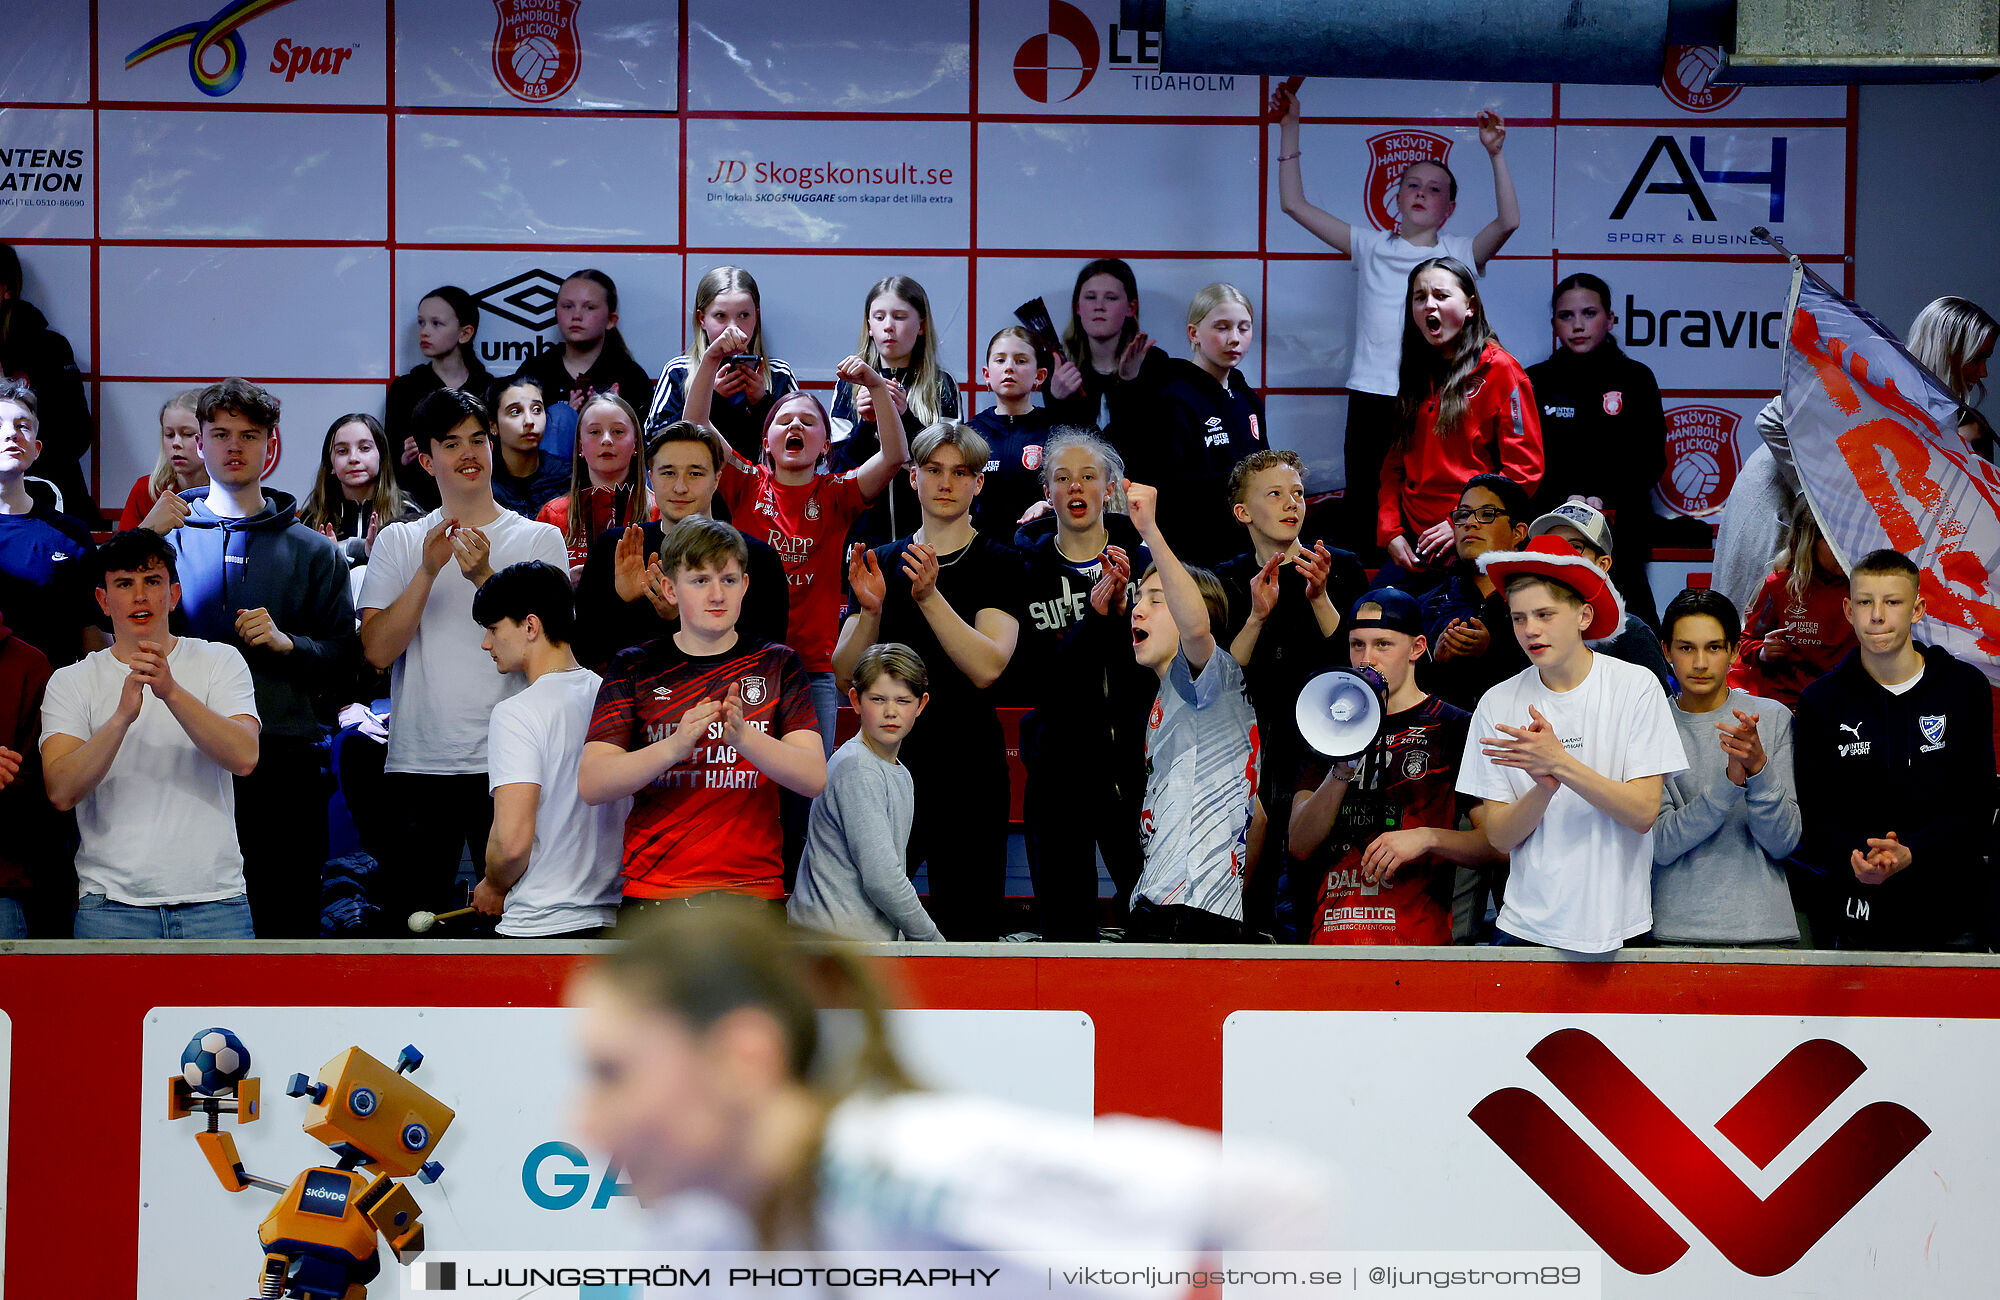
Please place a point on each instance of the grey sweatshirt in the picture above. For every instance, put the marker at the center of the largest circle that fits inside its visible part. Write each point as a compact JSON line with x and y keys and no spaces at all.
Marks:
{"x":852,"y":881}
{"x":1718,"y":848}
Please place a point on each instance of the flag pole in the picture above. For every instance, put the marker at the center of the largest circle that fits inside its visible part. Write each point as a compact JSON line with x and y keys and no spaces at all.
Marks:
{"x":1799,"y":268}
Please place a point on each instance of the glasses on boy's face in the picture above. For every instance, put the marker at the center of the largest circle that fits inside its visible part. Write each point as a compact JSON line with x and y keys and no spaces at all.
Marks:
{"x":1484,"y":514}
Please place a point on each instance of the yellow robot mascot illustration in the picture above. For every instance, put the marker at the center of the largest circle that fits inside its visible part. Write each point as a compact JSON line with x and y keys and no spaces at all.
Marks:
{"x":319,"y":1243}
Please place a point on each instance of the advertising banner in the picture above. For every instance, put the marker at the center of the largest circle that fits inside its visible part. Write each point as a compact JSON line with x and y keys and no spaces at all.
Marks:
{"x":1739,"y":1156}
{"x":370,"y":152}
{"x":251,"y":51}
{"x":1064,"y":60}
{"x":1646,"y":189}
{"x":537,"y":55}
{"x":514,"y":1176}
{"x":48,"y":184}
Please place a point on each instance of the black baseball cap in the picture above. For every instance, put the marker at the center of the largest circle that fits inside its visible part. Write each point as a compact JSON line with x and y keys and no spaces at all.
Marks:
{"x":1399,"y":612}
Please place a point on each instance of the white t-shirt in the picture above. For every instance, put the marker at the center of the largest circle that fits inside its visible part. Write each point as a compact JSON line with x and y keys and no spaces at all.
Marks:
{"x":160,"y":827}
{"x":443,"y":686}
{"x":944,"y":1171}
{"x":1382,"y":262}
{"x":1580,"y":880}
{"x":575,"y":877}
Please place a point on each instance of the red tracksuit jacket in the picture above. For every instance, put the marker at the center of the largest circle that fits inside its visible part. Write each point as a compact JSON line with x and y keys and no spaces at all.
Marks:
{"x":1501,"y":433}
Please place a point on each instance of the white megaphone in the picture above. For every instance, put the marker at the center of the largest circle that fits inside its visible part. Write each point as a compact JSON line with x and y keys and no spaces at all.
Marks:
{"x":1340,"y":711}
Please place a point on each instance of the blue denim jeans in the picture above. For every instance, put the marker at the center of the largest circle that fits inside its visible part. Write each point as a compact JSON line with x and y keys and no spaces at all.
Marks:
{"x":13,"y":921}
{"x":97,"y":917}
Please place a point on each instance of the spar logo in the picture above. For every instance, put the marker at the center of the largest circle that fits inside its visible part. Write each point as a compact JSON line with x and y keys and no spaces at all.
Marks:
{"x":1702,"y":460}
{"x":1389,"y":156}
{"x":1687,"y":79}
{"x":1763,"y":1236}
{"x":535,"y":51}
{"x":217,"y":56}
{"x":1056,"y":65}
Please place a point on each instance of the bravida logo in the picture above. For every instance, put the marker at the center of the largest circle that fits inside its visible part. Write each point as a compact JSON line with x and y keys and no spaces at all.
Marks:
{"x":536,"y":54}
{"x":1688,"y":77}
{"x":1058,"y":64}
{"x":216,"y":55}
{"x":1761,"y":1236}
{"x":1691,"y":169}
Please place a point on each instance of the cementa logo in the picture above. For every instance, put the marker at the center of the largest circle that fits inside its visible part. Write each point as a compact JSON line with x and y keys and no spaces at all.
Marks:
{"x":1762,"y":1236}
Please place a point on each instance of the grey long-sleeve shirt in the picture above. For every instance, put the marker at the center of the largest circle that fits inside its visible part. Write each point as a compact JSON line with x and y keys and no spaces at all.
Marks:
{"x":1718,"y":848}
{"x":853,"y":881}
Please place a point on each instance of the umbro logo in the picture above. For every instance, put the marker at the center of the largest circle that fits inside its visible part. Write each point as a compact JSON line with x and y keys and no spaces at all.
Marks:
{"x":662,"y":694}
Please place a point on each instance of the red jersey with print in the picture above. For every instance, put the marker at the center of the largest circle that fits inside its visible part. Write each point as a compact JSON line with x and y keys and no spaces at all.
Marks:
{"x":1815,"y":625}
{"x":1500,"y":433}
{"x":603,"y":508}
{"x":1406,"y":782}
{"x":807,"y":526}
{"x":710,"y":823}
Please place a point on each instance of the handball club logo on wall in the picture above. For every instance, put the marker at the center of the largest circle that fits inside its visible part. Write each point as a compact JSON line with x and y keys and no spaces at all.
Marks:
{"x":1688,"y":74}
{"x":1389,"y":156}
{"x":536,"y":54}
{"x":1702,"y":460}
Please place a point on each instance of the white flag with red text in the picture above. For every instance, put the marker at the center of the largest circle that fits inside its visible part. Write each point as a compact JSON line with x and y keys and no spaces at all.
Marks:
{"x":1876,"y":439}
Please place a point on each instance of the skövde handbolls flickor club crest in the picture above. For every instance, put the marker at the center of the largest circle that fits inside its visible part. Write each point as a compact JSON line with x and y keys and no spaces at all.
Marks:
{"x":536,"y":54}
{"x":1389,"y":156}
{"x":754,"y":690}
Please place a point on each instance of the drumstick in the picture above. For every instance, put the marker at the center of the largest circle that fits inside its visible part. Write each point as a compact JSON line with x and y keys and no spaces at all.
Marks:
{"x":422,"y":921}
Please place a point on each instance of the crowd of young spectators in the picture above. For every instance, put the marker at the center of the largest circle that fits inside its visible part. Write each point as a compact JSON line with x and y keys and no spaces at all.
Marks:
{"x":590,"y":637}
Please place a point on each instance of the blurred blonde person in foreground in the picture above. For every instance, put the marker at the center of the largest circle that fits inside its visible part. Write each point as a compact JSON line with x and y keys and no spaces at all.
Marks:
{"x":740,"y":1127}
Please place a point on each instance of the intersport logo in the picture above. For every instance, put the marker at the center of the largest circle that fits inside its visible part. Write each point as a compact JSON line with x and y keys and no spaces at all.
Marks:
{"x":1761,"y":1236}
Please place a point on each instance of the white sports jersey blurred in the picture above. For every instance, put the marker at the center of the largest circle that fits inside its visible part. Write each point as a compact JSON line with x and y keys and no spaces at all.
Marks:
{"x":936,"y":1171}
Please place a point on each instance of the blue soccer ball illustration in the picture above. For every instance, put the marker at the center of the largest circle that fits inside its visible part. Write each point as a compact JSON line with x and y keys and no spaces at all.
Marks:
{"x":214,"y":1062}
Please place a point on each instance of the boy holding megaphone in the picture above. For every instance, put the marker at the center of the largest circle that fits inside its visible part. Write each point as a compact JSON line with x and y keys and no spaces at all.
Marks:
{"x":1374,"y":839}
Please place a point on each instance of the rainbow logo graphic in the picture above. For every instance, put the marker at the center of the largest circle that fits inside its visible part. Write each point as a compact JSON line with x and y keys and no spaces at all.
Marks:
{"x":218,"y":33}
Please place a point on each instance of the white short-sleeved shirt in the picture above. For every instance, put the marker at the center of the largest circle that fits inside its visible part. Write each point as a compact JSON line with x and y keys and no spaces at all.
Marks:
{"x":443,"y":686}
{"x":1580,"y":880}
{"x":575,"y":876}
{"x":1202,"y":767}
{"x":160,"y":828}
{"x":1382,"y":263}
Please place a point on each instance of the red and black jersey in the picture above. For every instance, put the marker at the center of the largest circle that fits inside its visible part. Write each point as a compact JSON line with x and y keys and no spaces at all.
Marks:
{"x":1407,"y":781}
{"x":710,"y":823}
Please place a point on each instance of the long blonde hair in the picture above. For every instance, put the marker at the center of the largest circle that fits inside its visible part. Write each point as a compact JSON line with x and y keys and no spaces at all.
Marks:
{"x":1801,"y":546}
{"x":1948,"y":333}
{"x":718,"y":281}
{"x":922,"y":386}
{"x":703,"y":965}
{"x":162,"y":478}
